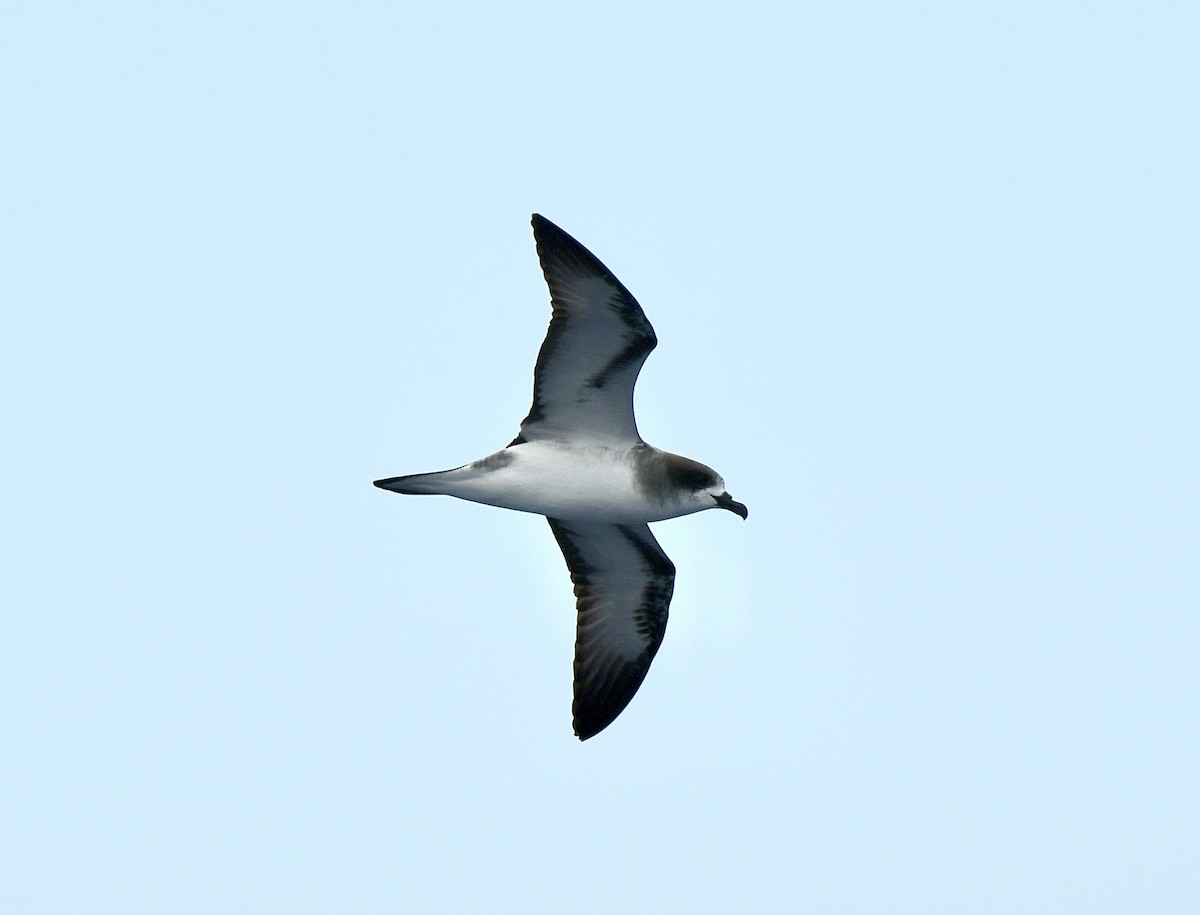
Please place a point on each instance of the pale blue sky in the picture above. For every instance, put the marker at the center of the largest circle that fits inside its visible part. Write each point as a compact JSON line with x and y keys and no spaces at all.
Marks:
{"x":925,"y":281}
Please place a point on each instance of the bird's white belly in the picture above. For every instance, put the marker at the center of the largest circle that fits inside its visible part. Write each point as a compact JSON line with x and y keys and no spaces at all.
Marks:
{"x":591,"y":483}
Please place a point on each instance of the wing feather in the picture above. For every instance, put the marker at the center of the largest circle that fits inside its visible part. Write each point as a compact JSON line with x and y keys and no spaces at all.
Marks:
{"x":594,"y":349}
{"x":623,"y":586}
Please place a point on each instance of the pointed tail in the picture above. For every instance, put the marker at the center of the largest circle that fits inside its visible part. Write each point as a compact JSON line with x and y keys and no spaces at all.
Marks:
{"x":416,"y":484}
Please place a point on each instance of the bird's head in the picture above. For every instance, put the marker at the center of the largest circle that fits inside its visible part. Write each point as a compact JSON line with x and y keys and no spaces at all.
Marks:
{"x":701,"y":485}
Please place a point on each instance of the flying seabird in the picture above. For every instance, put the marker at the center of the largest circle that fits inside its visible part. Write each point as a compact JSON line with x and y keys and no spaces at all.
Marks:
{"x":580,"y":461}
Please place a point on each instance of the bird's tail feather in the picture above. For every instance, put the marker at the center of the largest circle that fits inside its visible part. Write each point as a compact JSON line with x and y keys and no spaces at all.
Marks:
{"x":416,"y":484}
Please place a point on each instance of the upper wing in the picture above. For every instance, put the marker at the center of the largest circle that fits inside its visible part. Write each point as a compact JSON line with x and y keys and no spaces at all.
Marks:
{"x":623,"y":584}
{"x":597,"y":341}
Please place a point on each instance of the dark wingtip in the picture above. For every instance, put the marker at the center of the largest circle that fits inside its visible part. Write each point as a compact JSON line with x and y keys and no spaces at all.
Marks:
{"x":593,"y":711}
{"x":589,"y":721}
{"x":544,"y":230}
{"x":585,"y":730}
{"x":588,"y":725}
{"x":589,"y":718}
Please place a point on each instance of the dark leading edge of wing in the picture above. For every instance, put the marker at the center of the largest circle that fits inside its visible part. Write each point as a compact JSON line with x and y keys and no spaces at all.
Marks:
{"x":598,"y":339}
{"x":623,"y":585}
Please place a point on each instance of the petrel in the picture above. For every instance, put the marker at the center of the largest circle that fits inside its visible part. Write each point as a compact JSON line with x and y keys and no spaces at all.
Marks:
{"x":580,"y":461}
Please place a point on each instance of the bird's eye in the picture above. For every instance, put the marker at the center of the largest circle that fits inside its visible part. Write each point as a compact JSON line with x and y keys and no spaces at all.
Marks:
{"x":695,"y":477}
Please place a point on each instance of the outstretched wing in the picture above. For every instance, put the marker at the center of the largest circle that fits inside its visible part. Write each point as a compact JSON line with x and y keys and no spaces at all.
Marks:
{"x":597,"y":341}
{"x":623,"y":585}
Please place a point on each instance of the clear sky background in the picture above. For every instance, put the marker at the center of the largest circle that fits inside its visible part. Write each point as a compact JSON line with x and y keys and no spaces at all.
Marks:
{"x":925,"y":278}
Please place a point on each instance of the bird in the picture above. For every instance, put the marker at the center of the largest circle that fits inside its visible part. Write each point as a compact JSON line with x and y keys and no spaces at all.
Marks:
{"x":579,"y":461}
